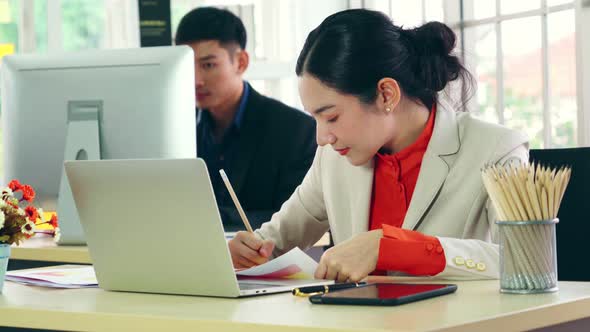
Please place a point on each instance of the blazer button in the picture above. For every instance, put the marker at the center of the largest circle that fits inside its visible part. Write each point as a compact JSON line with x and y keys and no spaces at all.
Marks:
{"x":480,"y":266}
{"x":470,"y":263}
{"x":429,"y":246}
{"x":439,"y":250}
{"x":459,"y":260}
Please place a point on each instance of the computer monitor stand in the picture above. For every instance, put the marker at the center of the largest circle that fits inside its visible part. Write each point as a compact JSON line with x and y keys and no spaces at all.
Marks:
{"x":82,"y":143}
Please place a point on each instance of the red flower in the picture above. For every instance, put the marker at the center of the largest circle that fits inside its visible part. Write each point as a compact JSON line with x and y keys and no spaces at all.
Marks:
{"x":53,"y":221}
{"x":14,"y":185}
{"x":31,"y":213}
{"x":28,"y":193}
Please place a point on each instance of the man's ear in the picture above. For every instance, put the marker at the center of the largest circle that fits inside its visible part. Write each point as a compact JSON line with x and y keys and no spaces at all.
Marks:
{"x":243,"y":60}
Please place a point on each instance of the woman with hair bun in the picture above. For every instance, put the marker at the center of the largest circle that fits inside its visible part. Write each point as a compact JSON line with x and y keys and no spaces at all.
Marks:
{"x":396,"y":177}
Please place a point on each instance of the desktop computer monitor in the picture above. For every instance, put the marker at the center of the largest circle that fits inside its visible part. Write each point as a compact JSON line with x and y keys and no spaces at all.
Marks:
{"x":100,"y":104}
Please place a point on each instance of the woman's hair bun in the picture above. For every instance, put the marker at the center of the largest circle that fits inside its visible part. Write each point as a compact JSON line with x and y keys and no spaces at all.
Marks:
{"x":432,"y":44}
{"x":433,"y":38}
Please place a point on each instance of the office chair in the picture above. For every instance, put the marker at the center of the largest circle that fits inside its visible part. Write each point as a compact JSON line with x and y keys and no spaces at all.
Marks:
{"x":573,"y":229}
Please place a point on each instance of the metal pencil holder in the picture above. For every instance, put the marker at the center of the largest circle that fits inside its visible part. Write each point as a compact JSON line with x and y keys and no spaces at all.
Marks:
{"x":528,"y":256}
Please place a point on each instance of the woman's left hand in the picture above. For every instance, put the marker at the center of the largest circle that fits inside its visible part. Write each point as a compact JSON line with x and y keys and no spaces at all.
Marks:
{"x":351,"y":260}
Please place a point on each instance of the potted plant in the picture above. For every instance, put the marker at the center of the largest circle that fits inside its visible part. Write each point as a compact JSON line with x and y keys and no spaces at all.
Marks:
{"x":18,"y":220}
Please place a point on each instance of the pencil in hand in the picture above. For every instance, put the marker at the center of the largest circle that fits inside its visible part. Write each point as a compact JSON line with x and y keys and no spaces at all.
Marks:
{"x":235,"y":199}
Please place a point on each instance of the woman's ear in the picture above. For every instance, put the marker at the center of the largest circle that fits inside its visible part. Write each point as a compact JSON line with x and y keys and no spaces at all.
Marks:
{"x":388,"y":94}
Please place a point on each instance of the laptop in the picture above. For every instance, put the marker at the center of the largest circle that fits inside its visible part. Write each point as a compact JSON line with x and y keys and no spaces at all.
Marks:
{"x":153,"y":226}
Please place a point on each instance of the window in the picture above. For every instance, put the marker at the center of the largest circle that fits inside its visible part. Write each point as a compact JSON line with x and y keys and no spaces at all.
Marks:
{"x":9,"y":42}
{"x":408,"y":13}
{"x":523,"y":55}
{"x":72,"y":25}
{"x":82,"y":24}
{"x":8,"y":27}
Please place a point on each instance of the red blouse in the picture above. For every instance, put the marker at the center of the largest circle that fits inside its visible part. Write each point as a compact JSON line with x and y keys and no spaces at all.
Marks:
{"x":395,"y":178}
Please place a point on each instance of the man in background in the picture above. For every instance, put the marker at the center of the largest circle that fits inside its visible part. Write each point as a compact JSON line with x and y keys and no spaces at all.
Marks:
{"x":264,"y":146}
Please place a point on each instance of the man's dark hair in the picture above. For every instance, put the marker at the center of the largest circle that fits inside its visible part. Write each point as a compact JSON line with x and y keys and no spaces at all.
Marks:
{"x":210,"y":23}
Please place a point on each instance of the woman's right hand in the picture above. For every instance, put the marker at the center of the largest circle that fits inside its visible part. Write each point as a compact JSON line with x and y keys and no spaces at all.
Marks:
{"x":248,"y":250}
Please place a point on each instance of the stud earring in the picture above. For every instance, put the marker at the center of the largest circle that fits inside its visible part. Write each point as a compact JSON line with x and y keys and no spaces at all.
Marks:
{"x":388,"y":109}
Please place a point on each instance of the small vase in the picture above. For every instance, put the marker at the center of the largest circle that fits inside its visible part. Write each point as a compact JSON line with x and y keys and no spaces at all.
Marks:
{"x":4,"y":254}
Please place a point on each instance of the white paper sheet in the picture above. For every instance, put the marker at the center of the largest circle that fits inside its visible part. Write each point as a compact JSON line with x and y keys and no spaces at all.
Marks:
{"x":294,"y":264}
{"x":77,"y":277}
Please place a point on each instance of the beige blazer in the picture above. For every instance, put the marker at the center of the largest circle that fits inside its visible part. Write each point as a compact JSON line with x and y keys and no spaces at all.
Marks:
{"x":449,"y":200}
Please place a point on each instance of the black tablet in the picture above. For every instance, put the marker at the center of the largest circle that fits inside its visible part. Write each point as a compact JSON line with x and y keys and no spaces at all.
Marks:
{"x":384,"y":294}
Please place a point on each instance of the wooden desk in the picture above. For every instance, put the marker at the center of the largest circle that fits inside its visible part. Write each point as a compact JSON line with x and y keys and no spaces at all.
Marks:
{"x":476,"y":306}
{"x":43,"y":249}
